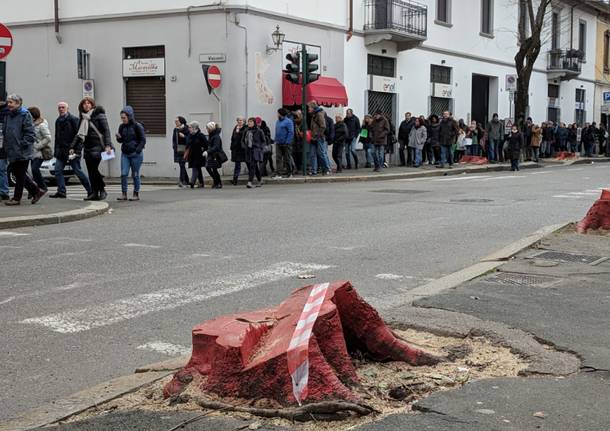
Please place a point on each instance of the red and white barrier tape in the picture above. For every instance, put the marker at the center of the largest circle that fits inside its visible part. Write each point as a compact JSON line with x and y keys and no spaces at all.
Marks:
{"x":298,"y":349}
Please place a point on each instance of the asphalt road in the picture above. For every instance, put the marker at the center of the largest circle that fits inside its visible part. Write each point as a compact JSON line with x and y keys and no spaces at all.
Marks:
{"x":84,"y":302}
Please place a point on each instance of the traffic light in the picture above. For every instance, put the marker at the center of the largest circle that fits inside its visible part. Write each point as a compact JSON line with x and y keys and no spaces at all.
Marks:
{"x":293,"y":68}
{"x":312,"y":68}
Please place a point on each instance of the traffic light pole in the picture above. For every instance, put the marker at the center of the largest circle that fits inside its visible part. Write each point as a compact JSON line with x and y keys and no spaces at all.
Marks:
{"x":304,"y":106}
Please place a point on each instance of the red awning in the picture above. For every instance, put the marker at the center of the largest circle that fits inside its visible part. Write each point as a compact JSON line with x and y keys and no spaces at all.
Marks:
{"x":326,"y":91}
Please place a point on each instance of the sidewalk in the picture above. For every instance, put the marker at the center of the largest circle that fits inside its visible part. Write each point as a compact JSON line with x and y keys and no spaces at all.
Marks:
{"x":548,"y":305}
{"x":48,"y":211}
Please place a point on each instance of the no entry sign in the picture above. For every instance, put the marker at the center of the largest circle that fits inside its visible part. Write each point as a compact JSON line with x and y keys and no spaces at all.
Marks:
{"x":6,"y":41}
{"x":214,"y":77}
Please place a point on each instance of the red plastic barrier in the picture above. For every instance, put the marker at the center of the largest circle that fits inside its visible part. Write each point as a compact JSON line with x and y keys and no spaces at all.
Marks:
{"x":245,"y":355}
{"x":598,"y":216}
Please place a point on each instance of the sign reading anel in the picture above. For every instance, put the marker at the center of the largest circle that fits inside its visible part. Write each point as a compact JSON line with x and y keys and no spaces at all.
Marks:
{"x":134,"y":67}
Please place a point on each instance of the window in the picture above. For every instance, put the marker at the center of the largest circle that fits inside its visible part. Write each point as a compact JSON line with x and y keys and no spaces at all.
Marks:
{"x":438,"y":105}
{"x":146,"y":94}
{"x":443,"y":11}
{"x":382,"y":66}
{"x":606,"y":53}
{"x":487,"y":17}
{"x":582,"y":38}
{"x":440,"y":74}
{"x":553,"y":91}
{"x":580,"y":115}
{"x":555,"y":31}
{"x":553,"y":115}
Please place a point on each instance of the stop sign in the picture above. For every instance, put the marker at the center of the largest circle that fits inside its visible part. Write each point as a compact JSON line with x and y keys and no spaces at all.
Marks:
{"x":6,"y":41}
{"x":214,"y":76}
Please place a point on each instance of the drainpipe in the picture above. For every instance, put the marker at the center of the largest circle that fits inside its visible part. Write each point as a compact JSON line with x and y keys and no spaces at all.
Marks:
{"x":56,"y":19}
{"x":350,"y":30}
{"x":236,"y":22}
{"x":572,"y":29}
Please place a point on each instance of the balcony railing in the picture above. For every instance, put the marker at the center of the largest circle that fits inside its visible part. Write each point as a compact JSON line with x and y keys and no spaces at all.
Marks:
{"x":568,"y":61}
{"x":404,"y":16}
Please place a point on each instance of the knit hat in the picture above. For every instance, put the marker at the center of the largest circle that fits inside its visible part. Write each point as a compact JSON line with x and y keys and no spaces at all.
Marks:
{"x":211,"y":125}
{"x":258,"y":120}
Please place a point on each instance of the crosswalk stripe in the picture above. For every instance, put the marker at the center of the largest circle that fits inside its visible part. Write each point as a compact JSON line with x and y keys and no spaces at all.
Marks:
{"x":104,"y":314}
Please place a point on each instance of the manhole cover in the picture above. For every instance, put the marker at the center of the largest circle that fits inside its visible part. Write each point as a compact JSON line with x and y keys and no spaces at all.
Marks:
{"x":560,"y":256}
{"x":472,"y":201}
{"x":525,"y":280}
{"x":399,"y":191}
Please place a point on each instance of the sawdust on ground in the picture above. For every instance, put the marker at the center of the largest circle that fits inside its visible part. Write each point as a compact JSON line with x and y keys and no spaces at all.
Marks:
{"x":472,"y":358}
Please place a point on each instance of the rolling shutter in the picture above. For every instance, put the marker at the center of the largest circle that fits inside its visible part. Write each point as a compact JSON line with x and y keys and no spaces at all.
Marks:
{"x":147,"y":97}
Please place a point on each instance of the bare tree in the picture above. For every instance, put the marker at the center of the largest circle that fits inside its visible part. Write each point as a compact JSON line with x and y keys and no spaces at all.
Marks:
{"x":530,"y":45}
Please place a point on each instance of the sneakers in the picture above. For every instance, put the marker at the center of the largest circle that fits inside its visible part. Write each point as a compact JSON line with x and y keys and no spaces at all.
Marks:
{"x":38,"y":196}
{"x":58,"y":195}
{"x":259,"y":183}
{"x":123,"y":197}
{"x":91,"y":197}
{"x":103,"y":195}
{"x":12,"y":203}
{"x":136,"y":197}
{"x":249,"y":185}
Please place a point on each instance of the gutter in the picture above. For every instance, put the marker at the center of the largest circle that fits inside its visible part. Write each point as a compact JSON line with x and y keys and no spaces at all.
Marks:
{"x":56,"y":20}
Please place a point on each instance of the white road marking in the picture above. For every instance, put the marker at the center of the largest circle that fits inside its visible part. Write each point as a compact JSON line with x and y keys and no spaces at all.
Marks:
{"x":567,"y":196}
{"x":13,"y":234}
{"x":539,"y":173}
{"x":10,"y":246}
{"x":165,"y":348}
{"x":64,"y":238}
{"x":7,"y":300}
{"x":462,"y":178}
{"x":74,"y":285}
{"x":389,"y":277}
{"x":200,"y":255}
{"x":584,"y":193}
{"x":504,"y":177}
{"x":349,"y":248}
{"x":575,"y":169}
{"x":131,"y":244}
{"x":96,"y":316}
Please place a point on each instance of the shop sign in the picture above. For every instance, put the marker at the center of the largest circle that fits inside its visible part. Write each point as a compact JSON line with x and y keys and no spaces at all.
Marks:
{"x":606,"y":97}
{"x":580,"y":106}
{"x":442,"y":90}
{"x":383,"y":84}
{"x":134,"y":67}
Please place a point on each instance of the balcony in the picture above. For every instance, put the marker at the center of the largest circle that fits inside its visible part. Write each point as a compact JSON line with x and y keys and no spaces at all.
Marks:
{"x":564,"y":64}
{"x":402,"y":21}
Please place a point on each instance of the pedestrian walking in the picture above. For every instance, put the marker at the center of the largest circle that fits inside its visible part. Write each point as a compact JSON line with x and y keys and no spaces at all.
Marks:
{"x":267,"y":150}
{"x":179,"y":143}
{"x":390,"y":146}
{"x":215,"y":154}
{"x":66,"y":128}
{"x":317,"y":147}
{"x":353,"y":126}
{"x":515,"y":143}
{"x":447,"y":136}
{"x":92,"y":139}
{"x":238,"y":154}
{"x":404,"y":131}
{"x":536,"y":142}
{"x":4,"y":190}
{"x":341,"y":134}
{"x":495,"y":136}
{"x":196,"y":146}
{"x":284,"y":137}
{"x":381,"y":129}
{"x":42,"y":146}
{"x":132,"y":138}
{"x":417,"y":140}
{"x":253,"y":142}
{"x":18,"y":143}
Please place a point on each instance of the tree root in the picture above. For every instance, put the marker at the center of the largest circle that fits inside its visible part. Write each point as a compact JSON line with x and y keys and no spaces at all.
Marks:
{"x":325,"y":410}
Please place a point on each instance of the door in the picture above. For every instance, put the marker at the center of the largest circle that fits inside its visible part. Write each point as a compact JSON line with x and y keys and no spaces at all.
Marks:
{"x":480,"y":99}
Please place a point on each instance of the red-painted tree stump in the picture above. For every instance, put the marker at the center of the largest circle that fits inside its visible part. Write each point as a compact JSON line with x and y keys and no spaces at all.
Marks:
{"x":474,"y":160}
{"x":565,"y":155}
{"x":245,"y":355}
{"x":598,"y":216}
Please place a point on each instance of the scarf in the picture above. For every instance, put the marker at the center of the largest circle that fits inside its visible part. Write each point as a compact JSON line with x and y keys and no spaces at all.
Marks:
{"x":249,"y":140}
{"x":83,"y":129}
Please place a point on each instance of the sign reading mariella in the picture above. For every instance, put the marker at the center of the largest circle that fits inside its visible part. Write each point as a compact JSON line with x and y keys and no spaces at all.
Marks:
{"x":143,"y":67}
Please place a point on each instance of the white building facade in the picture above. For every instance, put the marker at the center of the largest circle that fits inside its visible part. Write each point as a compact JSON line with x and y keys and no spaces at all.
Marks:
{"x":394,"y":55}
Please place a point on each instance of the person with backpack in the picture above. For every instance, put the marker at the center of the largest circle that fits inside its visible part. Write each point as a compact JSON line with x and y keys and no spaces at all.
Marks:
{"x":132,"y":138}
{"x":267,"y":148}
{"x":66,"y":128}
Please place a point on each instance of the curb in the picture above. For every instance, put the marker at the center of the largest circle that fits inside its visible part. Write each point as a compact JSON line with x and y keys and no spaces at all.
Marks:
{"x":590,"y":161}
{"x":104,"y":392}
{"x":92,"y":210}
{"x":357,"y":178}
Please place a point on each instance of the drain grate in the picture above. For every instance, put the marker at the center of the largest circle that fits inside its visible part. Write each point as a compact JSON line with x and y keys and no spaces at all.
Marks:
{"x":560,"y":256}
{"x":525,"y":280}
{"x":400,"y":191}
{"x":472,"y":201}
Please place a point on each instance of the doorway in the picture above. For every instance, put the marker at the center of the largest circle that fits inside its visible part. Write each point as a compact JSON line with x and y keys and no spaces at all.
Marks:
{"x":480,"y":99}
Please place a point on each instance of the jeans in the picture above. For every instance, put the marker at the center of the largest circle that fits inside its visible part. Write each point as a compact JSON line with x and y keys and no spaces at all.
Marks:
{"x":378,"y":156}
{"x":401,"y":153}
{"x":368,"y":150}
{"x":20,"y":169}
{"x":4,"y":177}
{"x":133,"y":162}
{"x":196,"y":174}
{"x":474,"y":150}
{"x":285,"y":160}
{"x":267,"y":158}
{"x":446,"y":156}
{"x":254,"y":169}
{"x":350,"y":151}
{"x":338,"y":156}
{"x":236,"y":169}
{"x":416,"y":156}
{"x":36,"y":175}
{"x":184,"y":176}
{"x":317,"y":148}
{"x":492,"y":145}
{"x":536,"y":153}
{"x":95,"y":177}
{"x":61,"y":181}
{"x":514,"y":164}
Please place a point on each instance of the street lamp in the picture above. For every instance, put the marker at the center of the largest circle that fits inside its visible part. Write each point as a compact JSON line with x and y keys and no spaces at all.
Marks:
{"x":278,"y":39}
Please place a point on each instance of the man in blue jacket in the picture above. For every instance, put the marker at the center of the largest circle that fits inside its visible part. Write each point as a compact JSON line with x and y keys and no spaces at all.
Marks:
{"x":284,"y":135}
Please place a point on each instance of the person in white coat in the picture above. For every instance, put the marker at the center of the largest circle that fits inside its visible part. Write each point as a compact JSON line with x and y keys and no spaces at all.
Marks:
{"x":417,"y":140}
{"x":42,"y":146}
